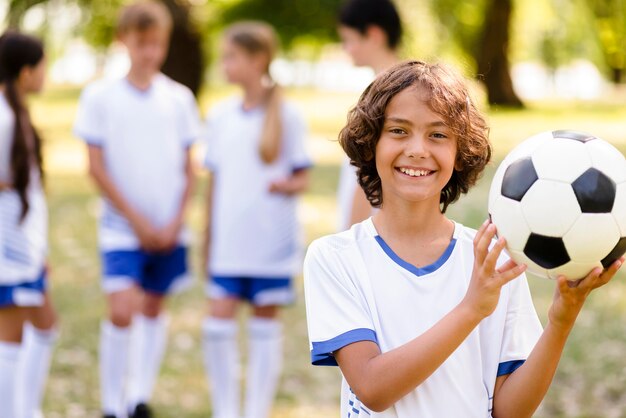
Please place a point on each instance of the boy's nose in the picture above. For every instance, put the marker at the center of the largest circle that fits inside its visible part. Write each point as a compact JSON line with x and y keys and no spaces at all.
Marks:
{"x":416,"y":147}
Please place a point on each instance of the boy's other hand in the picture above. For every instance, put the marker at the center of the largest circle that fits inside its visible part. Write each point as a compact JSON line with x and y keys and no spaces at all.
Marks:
{"x":483,"y":292}
{"x":147,"y":234}
{"x":168,"y":236}
{"x":569,"y":296}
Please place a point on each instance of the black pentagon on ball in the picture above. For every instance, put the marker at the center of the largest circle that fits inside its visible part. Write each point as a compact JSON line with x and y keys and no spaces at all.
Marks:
{"x":548,"y":252}
{"x":575,"y":135}
{"x":518,"y":178}
{"x":594,"y":191}
{"x":617,"y":252}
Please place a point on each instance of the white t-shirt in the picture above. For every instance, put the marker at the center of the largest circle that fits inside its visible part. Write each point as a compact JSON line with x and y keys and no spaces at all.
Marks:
{"x":253,"y":232}
{"x":144,"y":137}
{"x":358,"y":289}
{"x":24,"y":245}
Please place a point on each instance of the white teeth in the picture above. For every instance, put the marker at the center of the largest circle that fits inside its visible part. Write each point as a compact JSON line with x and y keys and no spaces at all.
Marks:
{"x":414,"y":173}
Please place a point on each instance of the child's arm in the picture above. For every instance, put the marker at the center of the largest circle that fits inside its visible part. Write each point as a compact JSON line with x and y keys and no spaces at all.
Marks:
{"x":520,"y":393}
{"x":146,"y":233}
{"x":379,"y":380}
{"x":169,"y":235}
{"x":4,"y":186}
{"x":206,"y":237}
{"x":298,"y":182}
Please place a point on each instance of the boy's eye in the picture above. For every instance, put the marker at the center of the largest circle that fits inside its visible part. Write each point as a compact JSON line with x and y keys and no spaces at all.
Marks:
{"x":439,"y":135}
{"x":397,"y":131}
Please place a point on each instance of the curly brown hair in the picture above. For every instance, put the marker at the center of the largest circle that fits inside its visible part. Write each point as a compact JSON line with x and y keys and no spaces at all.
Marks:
{"x":447,"y":95}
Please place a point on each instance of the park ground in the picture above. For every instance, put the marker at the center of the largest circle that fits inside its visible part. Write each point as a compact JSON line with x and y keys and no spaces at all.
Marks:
{"x":590,"y":381}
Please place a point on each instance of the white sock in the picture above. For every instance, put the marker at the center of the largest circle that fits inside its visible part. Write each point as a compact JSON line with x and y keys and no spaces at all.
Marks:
{"x":114,"y":347}
{"x":221,"y":360}
{"x":34,"y":365}
{"x":9,"y":357}
{"x":265,"y":360}
{"x":148,"y":341}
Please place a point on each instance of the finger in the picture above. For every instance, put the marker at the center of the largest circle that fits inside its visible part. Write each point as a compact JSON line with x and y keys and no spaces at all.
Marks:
{"x":506,"y":266}
{"x":589,"y":281}
{"x":492,"y":256}
{"x":482,"y":248}
{"x":563,"y":285}
{"x":480,"y":232}
{"x":609,"y":273}
{"x":515,"y":271}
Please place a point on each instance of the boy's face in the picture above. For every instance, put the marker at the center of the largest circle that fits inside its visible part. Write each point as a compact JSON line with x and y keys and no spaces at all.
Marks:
{"x":361,"y":47}
{"x":32,"y":78}
{"x":147,"y":49}
{"x":239,"y":66}
{"x":416,"y":152}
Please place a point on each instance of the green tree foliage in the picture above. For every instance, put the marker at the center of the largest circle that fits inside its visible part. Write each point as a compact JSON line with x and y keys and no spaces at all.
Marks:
{"x":610,"y":22}
{"x":307,"y":21}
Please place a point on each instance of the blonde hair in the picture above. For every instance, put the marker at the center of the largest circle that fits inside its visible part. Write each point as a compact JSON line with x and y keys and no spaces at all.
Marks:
{"x":144,"y":15}
{"x":256,"y":37}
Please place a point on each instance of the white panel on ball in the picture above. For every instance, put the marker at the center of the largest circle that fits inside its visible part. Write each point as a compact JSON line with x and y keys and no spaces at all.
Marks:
{"x":593,"y":237}
{"x":496,"y":185}
{"x":573,"y":270}
{"x":550,"y":208}
{"x":619,"y":208}
{"x":608,"y":159}
{"x":507,"y":216}
{"x":527,"y":147}
{"x":561,"y":159}
{"x":520,"y":258}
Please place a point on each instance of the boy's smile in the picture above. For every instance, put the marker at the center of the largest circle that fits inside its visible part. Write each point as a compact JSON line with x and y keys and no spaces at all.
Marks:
{"x":416,"y":152}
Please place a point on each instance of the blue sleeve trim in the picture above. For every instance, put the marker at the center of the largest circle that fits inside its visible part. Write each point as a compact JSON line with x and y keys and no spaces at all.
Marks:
{"x":509,"y":367}
{"x":322,"y":352}
{"x":302,"y":167}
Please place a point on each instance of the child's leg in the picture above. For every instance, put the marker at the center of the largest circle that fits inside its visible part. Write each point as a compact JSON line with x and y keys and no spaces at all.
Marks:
{"x":149,"y":337}
{"x":221,"y":356}
{"x":264,"y":361}
{"x":11,"y":322}
{"x":40,"y":334}
{"x":114,"y":349}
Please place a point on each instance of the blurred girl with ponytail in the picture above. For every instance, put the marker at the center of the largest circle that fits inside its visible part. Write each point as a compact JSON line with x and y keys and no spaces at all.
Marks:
{"x":27,"y":319}
{"x":258,"y":165}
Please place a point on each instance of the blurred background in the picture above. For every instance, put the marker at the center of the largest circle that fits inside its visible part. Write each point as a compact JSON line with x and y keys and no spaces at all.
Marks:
{"x":547,"y":64}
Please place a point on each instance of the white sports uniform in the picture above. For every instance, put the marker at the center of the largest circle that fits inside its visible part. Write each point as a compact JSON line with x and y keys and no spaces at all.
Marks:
{"x":23,"y":245}
{"x":144,"y":137}
{"x":254,"y":232}
{"x":358,"y":289}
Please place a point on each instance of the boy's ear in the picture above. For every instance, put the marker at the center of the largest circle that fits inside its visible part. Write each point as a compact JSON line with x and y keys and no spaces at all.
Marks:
{"x":376,"y":34}
{"x":458,"y":165}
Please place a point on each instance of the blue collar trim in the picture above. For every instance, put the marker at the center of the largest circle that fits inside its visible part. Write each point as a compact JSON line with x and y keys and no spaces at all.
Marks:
{"x":418,"y":271}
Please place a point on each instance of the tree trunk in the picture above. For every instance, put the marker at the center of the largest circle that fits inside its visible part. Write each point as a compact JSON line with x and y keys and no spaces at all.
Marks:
{"x":492,"y":55}
{"x":616,"y":75}
{"x":184,"y":62}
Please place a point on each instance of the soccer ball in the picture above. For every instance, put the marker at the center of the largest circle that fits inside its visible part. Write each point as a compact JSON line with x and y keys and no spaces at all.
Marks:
{"x":559,"y":199}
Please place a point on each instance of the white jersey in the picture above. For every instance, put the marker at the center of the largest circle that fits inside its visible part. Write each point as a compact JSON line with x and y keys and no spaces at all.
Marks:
{"x":144,"y":137}
{"x":253,"y":232}
{"x":23,"y":245}
{"x":358,"y":289}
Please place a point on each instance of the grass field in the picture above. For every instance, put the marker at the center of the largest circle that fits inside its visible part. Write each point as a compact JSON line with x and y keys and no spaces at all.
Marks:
{"x":590,"y":381}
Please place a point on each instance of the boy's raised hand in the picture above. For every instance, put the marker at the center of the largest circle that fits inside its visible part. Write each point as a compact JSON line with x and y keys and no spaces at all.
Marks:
{"x":570,"y":296}
{"x":487,"y":280}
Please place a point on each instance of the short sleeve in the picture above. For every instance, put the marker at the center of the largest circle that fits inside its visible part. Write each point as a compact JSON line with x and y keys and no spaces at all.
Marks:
{"x":522,"y":328}
{"x":190,"y":126}
{"x":337,"y":314}
{"x":89,"y":124}
{"x":295,"y":138}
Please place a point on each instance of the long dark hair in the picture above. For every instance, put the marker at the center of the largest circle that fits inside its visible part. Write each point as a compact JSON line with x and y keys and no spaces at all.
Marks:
{"x":16,"y":52}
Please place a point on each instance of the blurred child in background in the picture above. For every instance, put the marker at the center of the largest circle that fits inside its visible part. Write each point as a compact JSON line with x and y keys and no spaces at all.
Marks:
{"x":258,"y":167}
{"x":27,"y":319}
{"x":138,"y":131}
{"x":370,"y":32}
